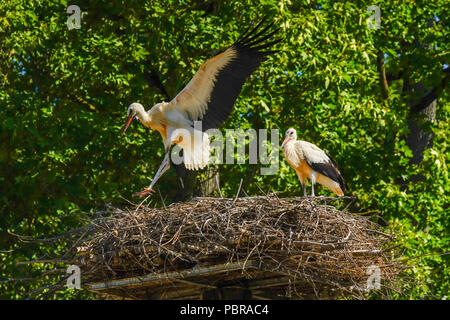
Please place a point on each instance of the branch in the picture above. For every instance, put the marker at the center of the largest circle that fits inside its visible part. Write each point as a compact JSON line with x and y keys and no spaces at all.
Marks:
{"x":391,"y":76}
{"x":432,"y":95}
{"x":153,"y":80}
{"x":382,"y":75}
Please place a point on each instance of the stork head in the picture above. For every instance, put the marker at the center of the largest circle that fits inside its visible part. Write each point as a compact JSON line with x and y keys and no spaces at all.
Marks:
{"x":133,"y":110}
{"x":291,"y":134}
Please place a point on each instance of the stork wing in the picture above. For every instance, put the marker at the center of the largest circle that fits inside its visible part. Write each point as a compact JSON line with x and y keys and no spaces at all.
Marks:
{"x":212,"y":92}
{"x":321,"y":162}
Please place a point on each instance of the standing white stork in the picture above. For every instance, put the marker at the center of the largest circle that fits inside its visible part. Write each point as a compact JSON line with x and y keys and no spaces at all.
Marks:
{"x":309,"y":161}
{"x":209,"y":97}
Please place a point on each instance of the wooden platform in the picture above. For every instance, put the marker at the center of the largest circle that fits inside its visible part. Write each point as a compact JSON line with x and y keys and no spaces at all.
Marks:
{"x":248,"y":280}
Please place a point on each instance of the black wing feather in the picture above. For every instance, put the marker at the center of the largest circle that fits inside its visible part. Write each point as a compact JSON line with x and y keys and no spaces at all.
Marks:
{"x":231,"y":78}
{"x":330,"y":170}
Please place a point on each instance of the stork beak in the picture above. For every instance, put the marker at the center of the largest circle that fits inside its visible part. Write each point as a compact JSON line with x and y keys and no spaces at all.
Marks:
{"x":284,"y":142}
{"x":127,"y":124}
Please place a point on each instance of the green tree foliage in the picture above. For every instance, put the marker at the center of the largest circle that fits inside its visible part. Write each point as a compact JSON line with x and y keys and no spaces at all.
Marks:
{"x":64,"y":93}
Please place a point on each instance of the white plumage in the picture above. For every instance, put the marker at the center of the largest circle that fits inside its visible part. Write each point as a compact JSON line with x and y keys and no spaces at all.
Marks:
{"x":208,"y":97}
{"x":309,"y":161}
{"x":195,"y":145}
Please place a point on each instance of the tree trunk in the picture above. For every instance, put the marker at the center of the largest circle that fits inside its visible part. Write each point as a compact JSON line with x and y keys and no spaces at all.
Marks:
{"x":211,"y":182}
{"x":419,"y":139}
{"x":186,"y":180}
{"x":190,"y":186}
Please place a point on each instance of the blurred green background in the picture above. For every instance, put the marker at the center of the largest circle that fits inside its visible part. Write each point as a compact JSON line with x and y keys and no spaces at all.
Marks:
{"x":375,"y":99}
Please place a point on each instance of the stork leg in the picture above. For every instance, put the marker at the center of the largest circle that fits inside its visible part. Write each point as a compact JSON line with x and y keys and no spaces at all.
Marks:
{"x":302,"y":180}
{"x":165,"y":165}
{"x":313,"y":181}
{"x":304,"y":189}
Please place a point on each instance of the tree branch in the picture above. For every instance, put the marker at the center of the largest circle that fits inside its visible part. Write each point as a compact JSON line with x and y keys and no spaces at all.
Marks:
{"x":382,"y":75}
{"x":432,"y":95}
{"x":391,"y":76}
{"x":153,"y":80}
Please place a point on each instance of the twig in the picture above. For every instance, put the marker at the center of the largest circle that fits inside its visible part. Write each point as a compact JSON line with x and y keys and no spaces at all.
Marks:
{"x":237,"y":194}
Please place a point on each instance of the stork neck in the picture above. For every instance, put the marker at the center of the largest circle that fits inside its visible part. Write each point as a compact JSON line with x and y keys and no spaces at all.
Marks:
{"x":143,"y":115}
{"x":291,"y":140}
{"x":289,"y":144}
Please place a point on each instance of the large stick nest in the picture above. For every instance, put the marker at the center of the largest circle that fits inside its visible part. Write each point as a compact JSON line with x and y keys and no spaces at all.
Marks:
{"x":317,"y":246}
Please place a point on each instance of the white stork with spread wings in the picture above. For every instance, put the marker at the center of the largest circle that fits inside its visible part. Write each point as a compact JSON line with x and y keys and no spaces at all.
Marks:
{"x":309,"y":161}
{"x":209,"y":97}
